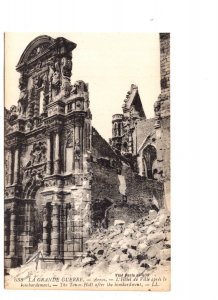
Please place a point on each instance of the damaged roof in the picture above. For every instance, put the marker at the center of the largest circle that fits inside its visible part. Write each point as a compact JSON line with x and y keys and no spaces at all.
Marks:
{"x":100,"y":147}
{"x":144,"y":129}
{"x":133,"y":99}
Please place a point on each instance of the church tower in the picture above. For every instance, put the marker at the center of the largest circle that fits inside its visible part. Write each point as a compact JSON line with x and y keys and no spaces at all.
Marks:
{"x":124,"y":125}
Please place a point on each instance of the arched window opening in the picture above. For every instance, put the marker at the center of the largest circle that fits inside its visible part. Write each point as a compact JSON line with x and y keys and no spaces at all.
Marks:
{"x":115,"y":130}
{"x":119,"y":129}
{"x":150,"y":155}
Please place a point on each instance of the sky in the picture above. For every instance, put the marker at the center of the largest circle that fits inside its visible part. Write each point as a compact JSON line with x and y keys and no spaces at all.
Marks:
{"x":108,"y":62}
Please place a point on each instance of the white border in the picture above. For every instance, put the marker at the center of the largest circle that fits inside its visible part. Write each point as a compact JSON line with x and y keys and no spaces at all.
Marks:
{"x":193,"y":26}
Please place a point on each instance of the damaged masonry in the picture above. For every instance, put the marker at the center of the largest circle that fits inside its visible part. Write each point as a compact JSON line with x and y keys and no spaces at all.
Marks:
{"x":65,"y":186}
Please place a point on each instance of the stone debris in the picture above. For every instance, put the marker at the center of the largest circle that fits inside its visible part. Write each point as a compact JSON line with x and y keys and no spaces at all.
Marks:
{"x":144,"y":244}
{"x":87,"y":261}
{"x":152,"y":214}
{"x":119,"y":222}
{"x":156,"y":237}
{"x":136,"y":247}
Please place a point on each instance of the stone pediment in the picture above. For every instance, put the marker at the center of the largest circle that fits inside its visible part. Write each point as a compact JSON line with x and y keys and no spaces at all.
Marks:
{"x":40,"y":46}
{"x":35,"y":49}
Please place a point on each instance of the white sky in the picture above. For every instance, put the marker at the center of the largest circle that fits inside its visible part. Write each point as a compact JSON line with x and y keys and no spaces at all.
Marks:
{"x":109,"y":62}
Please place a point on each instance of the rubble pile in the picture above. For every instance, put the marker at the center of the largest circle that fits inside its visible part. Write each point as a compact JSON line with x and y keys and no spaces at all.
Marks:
{"x":135,"y":247}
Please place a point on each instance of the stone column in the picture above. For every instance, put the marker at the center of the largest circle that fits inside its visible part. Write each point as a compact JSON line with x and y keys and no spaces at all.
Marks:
{"x":85,"y":140}
{"x":55,"y":230}
{"x":66,"y":221}
{"x":130,"y":148}
{"x":16,"y":166}
{"x":36,"y":103}
{"x":90,"y":136}
{"x":12,"y":249}
{"x":44,"y":101}
{"x":30,"y":110}
{"x":77,"y":148}
{"x":62,"y":228}
{"x":140,"y":162}
{"x":36,"y":110}
{"x":45,"y":231}
{"x":48,"y":167}
{"x":57,"y":153}
{"x":86,"y":216}
{"x":9,"y":179}
{"x":81,"y":146}
{"x":7,"y":231}
{"x":28,"y":228}
{"x":87,"y":133}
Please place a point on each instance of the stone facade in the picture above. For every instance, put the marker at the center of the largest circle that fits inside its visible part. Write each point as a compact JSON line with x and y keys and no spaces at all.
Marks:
{"x":47,"y":148}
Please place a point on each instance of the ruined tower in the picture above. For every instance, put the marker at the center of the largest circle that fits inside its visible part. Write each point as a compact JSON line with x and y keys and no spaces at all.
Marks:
{"x":47,"y":151}
{"x":162,"y":115}
{"x":124,"y":125}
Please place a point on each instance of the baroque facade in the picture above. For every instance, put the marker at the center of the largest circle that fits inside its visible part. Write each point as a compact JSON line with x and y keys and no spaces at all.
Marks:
{"x":61,"y":176}
{"x":48,"y":135}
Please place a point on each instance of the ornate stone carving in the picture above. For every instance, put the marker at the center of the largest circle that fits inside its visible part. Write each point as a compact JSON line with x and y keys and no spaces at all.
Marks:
{"x":77,"y":149}
{"x":59,"y":77}
{"x":69,"y":139}
{"x":37,"y":177}
{"x":38,"y":154}
{"x":66,"y":67}
{"x":31,"y":172}
{"x":13,"y":115}
{"x":65,"y":88}
{"x":38,"y":81}
{"x":23,"y":98}
{"x":55,"y":78}
{"x":39,"y":50}
{"x":79,"y":87}
{"x":22,"y":102}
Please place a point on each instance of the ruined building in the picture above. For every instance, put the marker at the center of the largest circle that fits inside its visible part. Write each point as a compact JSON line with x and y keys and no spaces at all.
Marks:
{"x":145,"y":143}
{"x":61,"y":176}
{"x":162,"y":112}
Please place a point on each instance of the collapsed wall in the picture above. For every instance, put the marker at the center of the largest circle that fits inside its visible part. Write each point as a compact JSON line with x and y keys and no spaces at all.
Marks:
{"x":118,"y":191}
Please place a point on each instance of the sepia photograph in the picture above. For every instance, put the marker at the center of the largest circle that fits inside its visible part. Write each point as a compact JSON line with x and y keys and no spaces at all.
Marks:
{"x":87,"y":161}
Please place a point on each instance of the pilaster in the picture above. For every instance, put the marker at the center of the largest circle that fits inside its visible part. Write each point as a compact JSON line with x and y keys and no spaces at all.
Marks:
{"x":55,"y":235}
{"x":57,"y":153}
{"x":16,"y":166}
